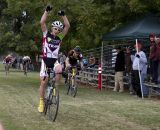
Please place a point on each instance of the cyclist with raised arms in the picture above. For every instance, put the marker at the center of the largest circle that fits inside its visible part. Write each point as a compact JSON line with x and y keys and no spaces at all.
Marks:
{"x":50,"y":47}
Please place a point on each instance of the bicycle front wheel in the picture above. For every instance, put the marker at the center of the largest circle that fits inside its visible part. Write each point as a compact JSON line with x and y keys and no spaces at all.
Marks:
{"x":45,"y":106}
{"x":68,"y":85}
{"x":53,"y":104}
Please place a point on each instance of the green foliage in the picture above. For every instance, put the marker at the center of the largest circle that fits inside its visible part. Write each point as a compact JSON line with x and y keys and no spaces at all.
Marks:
{"x":89,"y":20}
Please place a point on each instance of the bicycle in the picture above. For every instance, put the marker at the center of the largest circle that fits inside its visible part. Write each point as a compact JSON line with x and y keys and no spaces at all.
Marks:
{"x":25,"y":67}
{"x":51,"y":98}
{"x":71,"y":82}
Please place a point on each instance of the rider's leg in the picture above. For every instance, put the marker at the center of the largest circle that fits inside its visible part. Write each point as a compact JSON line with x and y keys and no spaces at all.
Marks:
{"x":41,"y":94}
{"x":58,"y":71}
{"x":66,"y":73}
{"x":8,"y":67}
{"x":42,"y":87}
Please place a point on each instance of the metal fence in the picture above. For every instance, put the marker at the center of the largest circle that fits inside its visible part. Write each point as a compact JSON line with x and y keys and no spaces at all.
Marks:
{"x":106,"y":56}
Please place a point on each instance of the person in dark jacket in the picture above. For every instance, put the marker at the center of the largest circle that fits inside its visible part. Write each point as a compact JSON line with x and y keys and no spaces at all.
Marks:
{"x":119,"y":69}
{"x":128,"y":68}
{"x":153,"y":59}
{"x":157,"y":73}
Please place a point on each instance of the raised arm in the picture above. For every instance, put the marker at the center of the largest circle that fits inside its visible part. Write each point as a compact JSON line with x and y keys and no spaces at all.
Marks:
{"x":44,"y":17}
{"x":43,"y":21}
{"x":65,"y":21}
{"x":66,"y":25}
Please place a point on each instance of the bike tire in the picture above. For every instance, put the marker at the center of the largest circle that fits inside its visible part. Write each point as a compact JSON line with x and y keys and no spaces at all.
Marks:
{"x":53,"y":105}
{"x":45,"y":106}
{"x":45,"y":101}
{"x":74,"y":91}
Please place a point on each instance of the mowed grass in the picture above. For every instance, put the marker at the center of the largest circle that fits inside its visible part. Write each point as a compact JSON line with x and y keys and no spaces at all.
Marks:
{"x":90,"y":110}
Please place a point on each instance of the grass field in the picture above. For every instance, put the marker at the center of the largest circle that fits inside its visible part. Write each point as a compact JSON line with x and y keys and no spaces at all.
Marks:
{"x":90,"y":110}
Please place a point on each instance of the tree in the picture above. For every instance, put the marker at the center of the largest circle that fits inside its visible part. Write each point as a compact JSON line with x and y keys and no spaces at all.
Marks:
{"x":90,"y":19}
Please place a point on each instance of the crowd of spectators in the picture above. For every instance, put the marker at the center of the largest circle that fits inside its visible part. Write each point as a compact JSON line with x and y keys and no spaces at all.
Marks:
{"x":91,"y":61}
{"x":135,"y":66}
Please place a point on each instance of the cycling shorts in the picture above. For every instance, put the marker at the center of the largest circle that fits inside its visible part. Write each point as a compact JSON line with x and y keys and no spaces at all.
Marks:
{"x":48,"y":62}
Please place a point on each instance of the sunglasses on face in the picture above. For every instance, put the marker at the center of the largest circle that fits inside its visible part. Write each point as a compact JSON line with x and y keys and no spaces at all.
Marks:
{"x":77,"y":53}
{"x":57,"y":29}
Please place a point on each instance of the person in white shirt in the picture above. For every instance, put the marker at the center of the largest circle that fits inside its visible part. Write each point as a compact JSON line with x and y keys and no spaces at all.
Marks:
{"x":139,"y":64}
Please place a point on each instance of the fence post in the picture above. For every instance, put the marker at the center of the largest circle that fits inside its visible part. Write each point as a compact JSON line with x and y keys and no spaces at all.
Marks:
{"x":99,"y":77}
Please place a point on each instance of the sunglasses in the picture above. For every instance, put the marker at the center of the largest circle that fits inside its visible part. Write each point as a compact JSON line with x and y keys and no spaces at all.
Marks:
{"x":57,"y":29}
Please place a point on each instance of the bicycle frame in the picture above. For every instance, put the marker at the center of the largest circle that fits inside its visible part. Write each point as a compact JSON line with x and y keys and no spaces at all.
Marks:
{"x":74,"y":72}
{"x":71,"y":85}
{"x":51,"y":80}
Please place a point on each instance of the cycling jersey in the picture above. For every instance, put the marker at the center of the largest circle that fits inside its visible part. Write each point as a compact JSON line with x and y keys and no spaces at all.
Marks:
{"x":7,"y":60}
{"x":74,"y":60}
{"x":51,"y":45}
{"x":50,"y":49}
{"x":26,"y":59}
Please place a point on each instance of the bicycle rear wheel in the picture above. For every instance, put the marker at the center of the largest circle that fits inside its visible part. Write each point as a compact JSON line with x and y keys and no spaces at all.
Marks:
{"x":53,"y":104}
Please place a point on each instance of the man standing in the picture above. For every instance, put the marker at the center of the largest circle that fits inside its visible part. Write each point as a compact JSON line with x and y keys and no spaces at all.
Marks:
{"x":119,"y":69}
{"x":128,"y":67}
{"x":139,"y":64}
{"x":153,"y":59}
{"x":157,"y":40}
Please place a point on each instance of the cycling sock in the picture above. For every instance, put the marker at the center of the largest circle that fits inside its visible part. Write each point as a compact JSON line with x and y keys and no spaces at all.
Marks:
{"x":41,"y":101}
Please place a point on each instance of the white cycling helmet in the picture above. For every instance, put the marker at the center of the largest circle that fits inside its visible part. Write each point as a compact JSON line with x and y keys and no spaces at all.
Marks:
{"x":57,"y":24}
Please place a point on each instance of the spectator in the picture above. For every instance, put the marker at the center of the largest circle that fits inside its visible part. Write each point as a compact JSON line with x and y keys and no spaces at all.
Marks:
{"x":18,"y":64}
{"x":128,"y":62}
{"x":128,"y":66}
{"x":31,"y":66}
{"x":92,"y":61}
{"x":139,"y":64}
{"x":14,"y":64}
{"x":119,"y":69}
{"x":61,"y":59}
{"x":157,"y":40}
{"x":98,"y":61}
{"x":153,"y":59}
{"x":85,"y":62}
{"x":21,"y":63}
